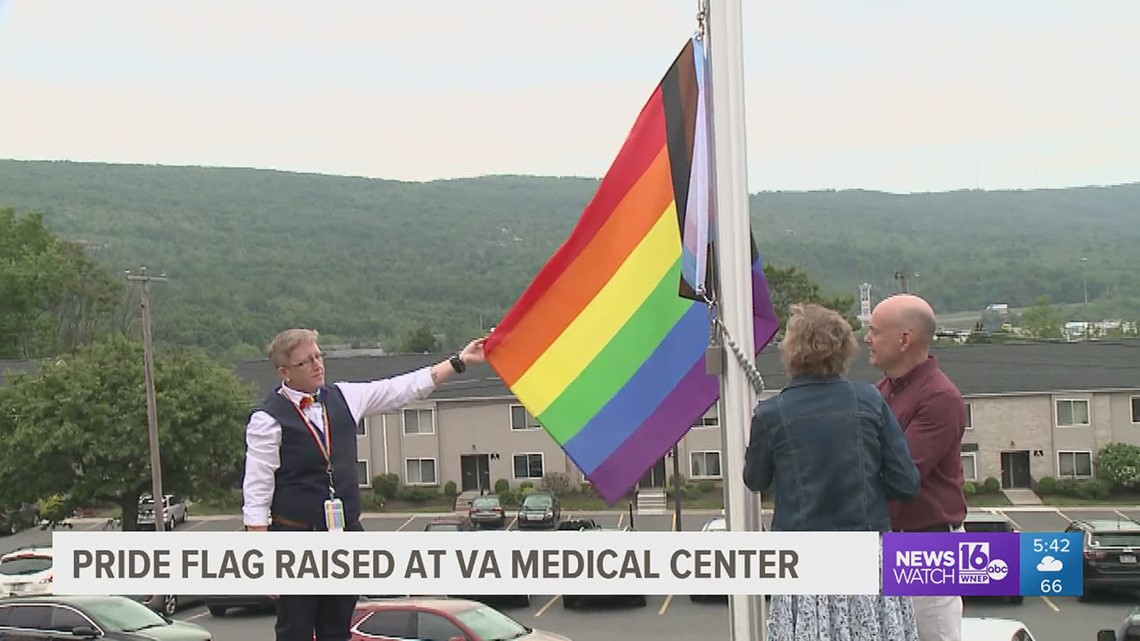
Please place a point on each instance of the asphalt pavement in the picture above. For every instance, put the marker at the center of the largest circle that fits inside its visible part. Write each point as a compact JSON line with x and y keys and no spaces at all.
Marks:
{"x":675,"y":617}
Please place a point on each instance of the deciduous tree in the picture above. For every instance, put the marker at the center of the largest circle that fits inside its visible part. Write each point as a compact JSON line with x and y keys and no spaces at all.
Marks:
{"x":791,"y":285}
{"x":56,"y":298}
{"x":78,"y":427}
{"x":1043,"y":320}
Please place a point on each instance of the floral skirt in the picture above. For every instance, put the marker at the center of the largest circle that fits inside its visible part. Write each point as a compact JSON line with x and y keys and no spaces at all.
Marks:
{"x":841,"y":617}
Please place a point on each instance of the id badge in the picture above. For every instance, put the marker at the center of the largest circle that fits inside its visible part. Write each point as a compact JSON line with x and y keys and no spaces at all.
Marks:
{"x":334,"y":515}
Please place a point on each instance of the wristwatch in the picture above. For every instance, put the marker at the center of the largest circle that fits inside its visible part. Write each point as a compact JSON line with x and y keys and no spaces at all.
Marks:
{"x":458,"y":364}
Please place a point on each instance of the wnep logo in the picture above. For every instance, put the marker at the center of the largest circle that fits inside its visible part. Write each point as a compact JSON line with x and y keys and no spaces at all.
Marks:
{"x":951,"y":564}
{"x":976,"y":567}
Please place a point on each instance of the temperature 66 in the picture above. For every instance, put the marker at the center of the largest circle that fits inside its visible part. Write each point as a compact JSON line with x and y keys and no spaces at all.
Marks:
{"x":1051,"y":587}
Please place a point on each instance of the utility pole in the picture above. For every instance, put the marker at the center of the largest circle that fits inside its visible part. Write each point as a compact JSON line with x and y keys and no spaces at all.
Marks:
{"x":151,"y":410}
{"x":676,"y":489}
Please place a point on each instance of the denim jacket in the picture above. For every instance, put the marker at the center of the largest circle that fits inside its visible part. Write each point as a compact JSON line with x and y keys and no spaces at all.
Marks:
{"x":836,"y":454}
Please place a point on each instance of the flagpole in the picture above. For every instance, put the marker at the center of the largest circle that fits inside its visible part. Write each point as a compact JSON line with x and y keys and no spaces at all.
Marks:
{"x":734,"y":296}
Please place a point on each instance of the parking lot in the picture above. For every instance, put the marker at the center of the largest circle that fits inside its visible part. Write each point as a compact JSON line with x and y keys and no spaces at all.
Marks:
{"x":674,"y":617}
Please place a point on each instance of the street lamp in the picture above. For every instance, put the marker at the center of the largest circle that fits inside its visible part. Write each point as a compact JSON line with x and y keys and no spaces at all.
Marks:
{"x":1085,"y":269}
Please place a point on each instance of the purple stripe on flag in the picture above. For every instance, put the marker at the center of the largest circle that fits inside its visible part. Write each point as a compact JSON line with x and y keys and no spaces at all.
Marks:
{"x":686,"y":403}
{"x":656,"y":436}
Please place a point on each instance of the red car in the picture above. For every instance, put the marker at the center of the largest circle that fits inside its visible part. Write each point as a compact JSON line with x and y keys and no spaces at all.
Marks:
{"x":439,"y":620}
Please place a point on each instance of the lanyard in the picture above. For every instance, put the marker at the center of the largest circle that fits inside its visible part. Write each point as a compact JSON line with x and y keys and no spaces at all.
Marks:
{"x":324,"y":445}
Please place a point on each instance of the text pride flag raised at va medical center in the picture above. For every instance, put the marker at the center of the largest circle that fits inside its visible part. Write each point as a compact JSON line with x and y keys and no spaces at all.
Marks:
{"x":606,"y":348}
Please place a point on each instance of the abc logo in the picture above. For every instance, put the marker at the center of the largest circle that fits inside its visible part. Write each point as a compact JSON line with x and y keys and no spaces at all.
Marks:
{"x":997,"y":570}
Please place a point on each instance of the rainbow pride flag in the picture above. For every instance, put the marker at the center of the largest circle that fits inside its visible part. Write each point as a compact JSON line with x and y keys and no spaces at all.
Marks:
{"x":606,"y":348}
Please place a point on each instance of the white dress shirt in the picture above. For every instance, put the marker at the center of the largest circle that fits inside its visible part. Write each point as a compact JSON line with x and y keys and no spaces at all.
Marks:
{"x":263,"y":433}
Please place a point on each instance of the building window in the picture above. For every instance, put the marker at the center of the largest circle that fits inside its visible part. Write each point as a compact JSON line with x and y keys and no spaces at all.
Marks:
{"x":969,"y":416}
{"x":420,"y":471}
{"x":711,"y":418}
{"x":419,"y":422}
{"x":970,"y":466}
{"x":362,"y":427}
{"x":1136,"y":409}
{"x":704,"y":465}
{"x":529,"y":466}
{"x":1072,"y":412}
{"x":521,"y":419}
{"x":1074,"y":465}
{"x":363,"y":475}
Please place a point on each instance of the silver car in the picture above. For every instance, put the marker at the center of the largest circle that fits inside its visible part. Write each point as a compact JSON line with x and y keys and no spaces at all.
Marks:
{"x":173,"y":510}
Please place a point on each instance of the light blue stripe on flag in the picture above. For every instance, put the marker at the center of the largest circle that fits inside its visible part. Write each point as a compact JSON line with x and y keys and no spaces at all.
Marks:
{"x":695,"y":236}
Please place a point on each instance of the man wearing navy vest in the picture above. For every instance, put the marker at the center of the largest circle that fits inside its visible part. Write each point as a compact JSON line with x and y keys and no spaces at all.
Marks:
{"x":301,"y":454}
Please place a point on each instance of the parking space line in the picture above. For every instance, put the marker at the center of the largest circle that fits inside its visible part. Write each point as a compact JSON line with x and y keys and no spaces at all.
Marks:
{"x":194,"y":525}
{"x":513,"y":523}
{"x":1050,"y":603}
{"x":195,"y":616}
{"x":546,"y":607}
{"x":1121,"y":515}
{"x":1062,"y":515}
{"x":674,"y":526}
{"x":665,"y":605}
{"x":621,"y":517}
{"x":406,"y":523}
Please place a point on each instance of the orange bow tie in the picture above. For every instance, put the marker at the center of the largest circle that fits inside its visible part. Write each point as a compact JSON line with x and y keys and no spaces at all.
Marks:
{"x":306,"y":401}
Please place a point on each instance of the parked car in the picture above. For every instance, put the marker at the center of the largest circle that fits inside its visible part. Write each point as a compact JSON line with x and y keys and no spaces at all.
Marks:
{"x":541,"y":510}
{"x":716,"y":524}
{"x":1127,"y":630}
{"x":579,"y":524}
{"x":992,"y":522}
{"x":443,"y":619}
{"x":487,"y":510}
{"x":26,"y":572}
{"x":571,"y":601}
{"x":22,"y":518}
{"x":219,"y":604}
{"x":1111,"y":550}
{"x":173,"y":510}
{"x":444,"y":524}
{"x":168,"y":604}
{"x":113,"y":618}
{"x":987,"y":629}
{"x":988,"y":522}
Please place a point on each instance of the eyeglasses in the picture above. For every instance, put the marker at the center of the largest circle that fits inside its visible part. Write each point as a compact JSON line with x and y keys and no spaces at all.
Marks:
{"x":310,"y":361}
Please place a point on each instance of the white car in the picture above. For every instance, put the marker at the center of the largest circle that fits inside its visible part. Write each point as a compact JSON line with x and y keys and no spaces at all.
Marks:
{"x":173,"y":510}
{"x":987,"y":629}
{"x":717,"y":524}
{"x":26,"y":572}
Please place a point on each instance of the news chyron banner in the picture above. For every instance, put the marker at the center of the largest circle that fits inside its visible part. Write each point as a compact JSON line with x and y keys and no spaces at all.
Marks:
{"x":983,"y":564}
{"x":489,"y":563}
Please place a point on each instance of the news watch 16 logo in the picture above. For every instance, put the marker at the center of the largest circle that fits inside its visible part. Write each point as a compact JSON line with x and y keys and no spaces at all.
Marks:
{"x":951,"y":564}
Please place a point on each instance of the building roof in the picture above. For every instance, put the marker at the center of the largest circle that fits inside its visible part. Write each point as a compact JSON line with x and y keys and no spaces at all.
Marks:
{"x":979,"y":369}
{"x":982,"y":369}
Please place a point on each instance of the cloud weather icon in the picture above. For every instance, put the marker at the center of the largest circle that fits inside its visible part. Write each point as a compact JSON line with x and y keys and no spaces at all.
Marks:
{"x":1050,"y":564}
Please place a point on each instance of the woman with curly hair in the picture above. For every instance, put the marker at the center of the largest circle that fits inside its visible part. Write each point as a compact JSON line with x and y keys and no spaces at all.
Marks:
{"x":836,"y":455}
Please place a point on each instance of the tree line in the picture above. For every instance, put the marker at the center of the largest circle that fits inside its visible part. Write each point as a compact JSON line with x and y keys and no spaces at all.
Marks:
{"x":369,"y":261}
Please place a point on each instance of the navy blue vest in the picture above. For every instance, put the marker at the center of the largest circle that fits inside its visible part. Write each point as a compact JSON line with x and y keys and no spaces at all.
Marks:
{"x":302,"y":482}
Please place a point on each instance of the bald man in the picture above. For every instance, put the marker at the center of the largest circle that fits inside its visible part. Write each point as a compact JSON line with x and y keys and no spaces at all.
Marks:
{"x":930,"y":409}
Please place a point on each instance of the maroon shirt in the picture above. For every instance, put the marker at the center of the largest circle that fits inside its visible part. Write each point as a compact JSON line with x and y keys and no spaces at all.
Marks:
{"x":930,"y":409}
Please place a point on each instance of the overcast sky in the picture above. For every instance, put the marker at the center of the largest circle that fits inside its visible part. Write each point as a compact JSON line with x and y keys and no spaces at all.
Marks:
{"x":887,"y":95}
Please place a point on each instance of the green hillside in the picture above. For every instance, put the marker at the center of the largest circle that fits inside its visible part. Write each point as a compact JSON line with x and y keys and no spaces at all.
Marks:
{"x":249,"y":252}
